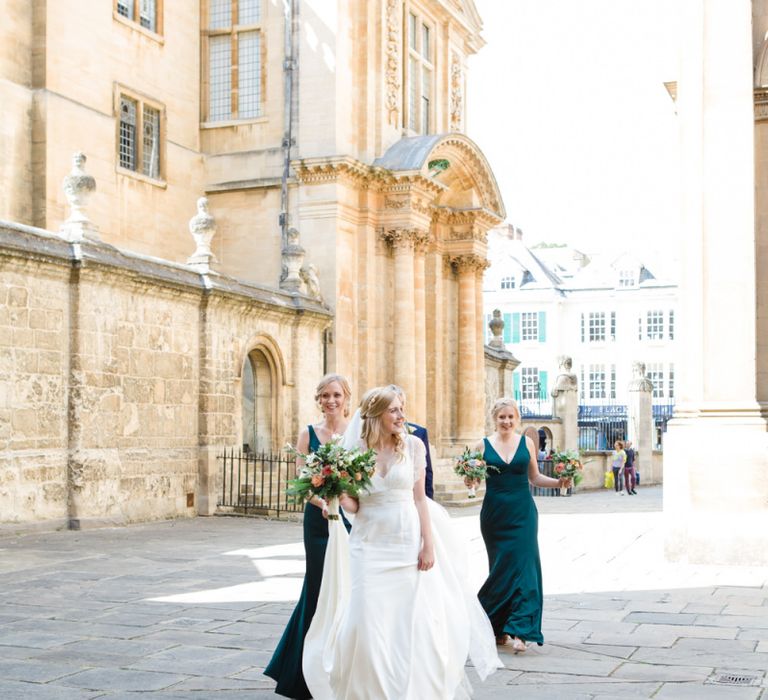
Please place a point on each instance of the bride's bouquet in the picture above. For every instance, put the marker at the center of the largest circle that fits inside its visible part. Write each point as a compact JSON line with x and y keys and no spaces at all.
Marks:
{"x":331,"y":471}
{"x":472,"y":467}
{"x":568,"y":464}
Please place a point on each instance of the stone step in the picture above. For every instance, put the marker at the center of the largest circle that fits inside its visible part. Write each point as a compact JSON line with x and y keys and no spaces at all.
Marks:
{"x":454,"y":493}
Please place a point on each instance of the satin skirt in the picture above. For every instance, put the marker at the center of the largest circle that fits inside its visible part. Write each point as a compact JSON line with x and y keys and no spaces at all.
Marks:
{"x":383,"y":629}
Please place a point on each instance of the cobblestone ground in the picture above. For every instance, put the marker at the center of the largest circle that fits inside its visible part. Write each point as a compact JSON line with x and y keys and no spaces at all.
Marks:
{"x":193,"y":609}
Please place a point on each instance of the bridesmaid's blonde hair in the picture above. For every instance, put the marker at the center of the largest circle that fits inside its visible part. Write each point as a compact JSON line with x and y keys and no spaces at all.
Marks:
{"x":505,"y":402}
{"x":326,"y":380}
{"x":372,"y":406}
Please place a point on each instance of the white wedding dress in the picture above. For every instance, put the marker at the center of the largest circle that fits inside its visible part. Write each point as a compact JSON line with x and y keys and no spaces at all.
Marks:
{"x":384,"y":630}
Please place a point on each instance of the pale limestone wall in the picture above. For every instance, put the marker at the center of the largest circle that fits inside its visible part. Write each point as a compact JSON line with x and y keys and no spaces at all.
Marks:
{"x":81,"y":56}
{"x":81,"y":114}
{"x":121,"y":380}
{"x":137,"y":399}
{"x":16,"y":146}
{"x":34,"y":329}
{"x":247,"y":242}
{"x":16,"y":49}
{"x":16,"y":99}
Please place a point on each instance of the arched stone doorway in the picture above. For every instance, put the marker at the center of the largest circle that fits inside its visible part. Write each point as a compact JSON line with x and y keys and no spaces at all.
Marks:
{"x":261,"y":382}
{"x":257,"y":403}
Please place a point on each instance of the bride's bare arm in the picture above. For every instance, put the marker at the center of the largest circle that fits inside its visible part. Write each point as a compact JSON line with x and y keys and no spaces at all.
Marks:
{"x":427,"y":553}
{"x":349,"y":504}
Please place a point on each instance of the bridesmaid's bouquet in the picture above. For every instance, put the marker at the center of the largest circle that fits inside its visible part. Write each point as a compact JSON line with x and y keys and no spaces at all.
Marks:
{"x":331,"y":471}
{"x":472,"y":467}
{"x":568,"y":464}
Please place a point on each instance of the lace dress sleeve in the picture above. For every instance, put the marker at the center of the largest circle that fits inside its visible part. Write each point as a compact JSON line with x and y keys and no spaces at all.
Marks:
{"x":418,"y":456}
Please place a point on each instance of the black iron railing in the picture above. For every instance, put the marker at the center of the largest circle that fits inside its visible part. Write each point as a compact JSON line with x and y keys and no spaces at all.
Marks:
{"x":601,"y":425}
{"x":256,"y":482}
{"x":546,"y":467}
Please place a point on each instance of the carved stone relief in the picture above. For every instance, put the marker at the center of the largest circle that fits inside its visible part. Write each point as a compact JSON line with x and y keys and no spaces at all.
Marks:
{"x":457,"y":94}
{"x":393,"y":62}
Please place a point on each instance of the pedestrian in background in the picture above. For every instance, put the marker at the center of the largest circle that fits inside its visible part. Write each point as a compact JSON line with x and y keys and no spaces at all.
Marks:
{"x":618,"y":460}
{"x":629,"y":469}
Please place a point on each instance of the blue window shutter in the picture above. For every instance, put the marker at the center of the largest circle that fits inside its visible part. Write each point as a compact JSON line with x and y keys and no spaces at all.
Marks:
{"x":516,"y":327}
{"x":542,"y":326}
{"x":516,"y":385}
{"x":542,"y":384}
{"x":507,"y":328}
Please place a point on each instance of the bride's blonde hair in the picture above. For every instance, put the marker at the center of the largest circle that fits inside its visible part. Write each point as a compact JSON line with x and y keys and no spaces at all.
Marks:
{"x":372,"y":406}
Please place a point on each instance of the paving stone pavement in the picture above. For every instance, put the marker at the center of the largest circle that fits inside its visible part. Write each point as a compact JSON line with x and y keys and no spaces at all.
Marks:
{"x":193,"y":609}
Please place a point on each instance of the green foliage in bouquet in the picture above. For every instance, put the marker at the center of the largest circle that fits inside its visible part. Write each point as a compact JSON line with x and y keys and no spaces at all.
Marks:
{"x":471,"y":465}
{"x":331,"y":471}
{"x":568,"y":464}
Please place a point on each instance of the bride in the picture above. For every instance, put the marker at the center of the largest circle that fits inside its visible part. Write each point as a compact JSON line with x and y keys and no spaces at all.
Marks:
{"x":396,"y":617}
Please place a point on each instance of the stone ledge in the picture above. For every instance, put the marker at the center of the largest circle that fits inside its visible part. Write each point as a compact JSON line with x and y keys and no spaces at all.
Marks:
{"x":23,"y":241}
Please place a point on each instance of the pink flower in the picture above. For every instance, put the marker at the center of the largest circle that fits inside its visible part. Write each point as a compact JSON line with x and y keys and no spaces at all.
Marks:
{"x":317,"y":480}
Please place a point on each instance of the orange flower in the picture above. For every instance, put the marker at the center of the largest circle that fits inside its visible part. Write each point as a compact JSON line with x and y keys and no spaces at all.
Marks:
{"x":317,"y":480}
{"x":358,"y":476}
{"x":343,"y":474}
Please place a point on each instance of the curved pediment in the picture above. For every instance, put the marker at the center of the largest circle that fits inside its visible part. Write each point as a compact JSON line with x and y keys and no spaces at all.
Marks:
{"x":455,"y":162}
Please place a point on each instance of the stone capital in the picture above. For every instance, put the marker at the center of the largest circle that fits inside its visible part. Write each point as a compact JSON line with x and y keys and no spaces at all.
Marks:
{"x":404,"y":238}
{"x":469,"y":263}
{"x":761,"y":103}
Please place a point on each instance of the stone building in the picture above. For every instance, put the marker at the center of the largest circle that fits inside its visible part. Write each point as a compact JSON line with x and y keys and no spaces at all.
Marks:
{"x":605,"y":312}
{"x":351,"y":214}
{"x":716,"y":448}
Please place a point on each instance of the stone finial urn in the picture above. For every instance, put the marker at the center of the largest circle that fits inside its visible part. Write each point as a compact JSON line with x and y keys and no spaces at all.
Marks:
{"x":202,"y":226}
{"x":640,"y":381}
{"x":293,"y":260}
{"x":496,"y":324}
{"x":566,"y":380}
{"x":78,"y":186}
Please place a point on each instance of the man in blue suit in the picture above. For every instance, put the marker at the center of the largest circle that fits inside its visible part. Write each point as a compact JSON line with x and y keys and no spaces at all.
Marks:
{"x":420,"y":432}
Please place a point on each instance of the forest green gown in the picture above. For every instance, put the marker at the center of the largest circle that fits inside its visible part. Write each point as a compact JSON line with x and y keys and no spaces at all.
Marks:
{"x":512,"y":595}
{"x":285,"y":666}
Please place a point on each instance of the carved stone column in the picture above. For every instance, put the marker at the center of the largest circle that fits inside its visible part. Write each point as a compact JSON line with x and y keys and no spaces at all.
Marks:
{"x":717,"y":400}
{"x":418,"y":408}
{"x":471,"y":388}
{"x":566,"y":404}
{"x":402,"y":241}
{"x":640,"y":429}
{"x":482,"y":265}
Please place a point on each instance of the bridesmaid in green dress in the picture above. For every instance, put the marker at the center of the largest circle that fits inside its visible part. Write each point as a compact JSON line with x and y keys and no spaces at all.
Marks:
{"x":512,"y":595}
{"x":333,"y":395}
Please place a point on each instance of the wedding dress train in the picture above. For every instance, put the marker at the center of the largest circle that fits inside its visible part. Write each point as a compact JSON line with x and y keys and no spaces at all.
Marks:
{"x":384,"y":630}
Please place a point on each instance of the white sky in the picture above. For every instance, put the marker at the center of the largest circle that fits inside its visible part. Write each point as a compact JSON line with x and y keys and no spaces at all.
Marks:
{"x":566,"y":101}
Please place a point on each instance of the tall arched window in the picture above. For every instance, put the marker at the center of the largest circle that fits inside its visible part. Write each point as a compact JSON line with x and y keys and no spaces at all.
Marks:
{"x":258,"y":402}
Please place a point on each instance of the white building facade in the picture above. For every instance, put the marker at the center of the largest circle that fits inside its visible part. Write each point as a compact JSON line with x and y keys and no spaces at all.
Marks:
{"x":605,"y":314}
